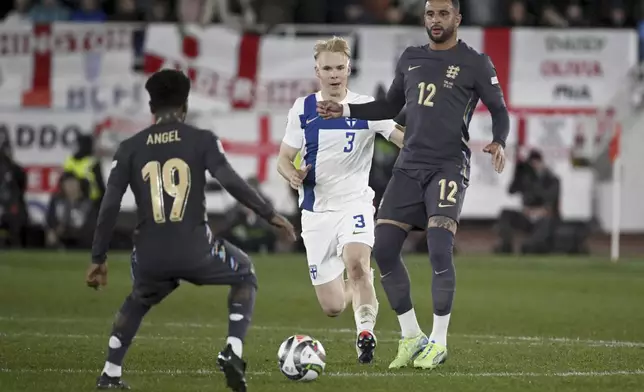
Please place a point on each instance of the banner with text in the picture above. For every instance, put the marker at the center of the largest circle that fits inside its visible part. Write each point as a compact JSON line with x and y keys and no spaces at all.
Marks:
{"x":38,"y":62}
{"x":569,"y":68}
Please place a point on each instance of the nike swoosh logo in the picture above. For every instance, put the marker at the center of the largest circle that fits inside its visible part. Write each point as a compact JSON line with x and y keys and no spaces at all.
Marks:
{"x":413,"y":68}
{"x":311,"y":120}
{"x":440,"y":272}
{"x":441,"y":205}
{"x":359,"y":232}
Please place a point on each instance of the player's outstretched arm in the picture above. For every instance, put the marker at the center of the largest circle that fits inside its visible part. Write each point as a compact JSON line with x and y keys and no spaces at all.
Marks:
{"x":117,"y":184}
{"x":488,"y":88}
{"x":218,"y":167}
{"x":384,"y":109}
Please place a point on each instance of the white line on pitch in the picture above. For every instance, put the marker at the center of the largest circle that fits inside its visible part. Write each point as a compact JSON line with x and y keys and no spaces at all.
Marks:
{"x":537,"y":340}
{"x":487,"y":341}
{"x":206,"y":372}
{"x":47,"y":335}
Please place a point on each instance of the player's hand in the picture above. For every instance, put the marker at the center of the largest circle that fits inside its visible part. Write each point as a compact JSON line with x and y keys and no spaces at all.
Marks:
{"x":284,"y":225}
{"x":96,"y":276}
{"x":498,"y":155}
{"x":329,"y":109}
{"x":298,"y":177}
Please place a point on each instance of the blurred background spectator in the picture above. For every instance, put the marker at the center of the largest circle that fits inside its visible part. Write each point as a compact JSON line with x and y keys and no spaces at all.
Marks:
{"x":85,"y":166}
{"x":89,"y":11}
{"x":540,"y":193}
{"x":48,"y":11}
{"x":248,"y":13}
{"x":71,"y":216}
{"x":13,"y":211}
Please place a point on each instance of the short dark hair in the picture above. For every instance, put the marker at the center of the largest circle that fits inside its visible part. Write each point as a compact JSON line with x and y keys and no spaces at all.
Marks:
{"x":455,"y":3}
{"x":168,"y":89}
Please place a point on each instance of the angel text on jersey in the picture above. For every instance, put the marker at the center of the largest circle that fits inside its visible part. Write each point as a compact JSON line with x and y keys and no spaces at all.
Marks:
{"x":163,"y":137}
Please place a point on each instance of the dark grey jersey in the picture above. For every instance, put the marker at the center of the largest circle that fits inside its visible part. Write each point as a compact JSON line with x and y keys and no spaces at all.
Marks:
{"x":440,"y":89}
{"x":164,"y":166}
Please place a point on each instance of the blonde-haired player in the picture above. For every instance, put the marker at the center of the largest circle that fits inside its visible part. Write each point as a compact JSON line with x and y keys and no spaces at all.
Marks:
{"x":334,"y":193}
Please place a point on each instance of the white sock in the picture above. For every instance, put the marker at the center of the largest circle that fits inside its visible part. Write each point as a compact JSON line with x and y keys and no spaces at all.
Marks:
{"x":439,"y":329}
{"x":365,"y":317}
{"x":112,"y":370}
{"x":236,"y":344}
{"x":409,"y":325}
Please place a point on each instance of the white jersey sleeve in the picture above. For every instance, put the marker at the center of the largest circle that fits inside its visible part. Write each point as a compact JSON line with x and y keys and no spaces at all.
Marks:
{"x":383,"y":127}
{"x":294,"y":135}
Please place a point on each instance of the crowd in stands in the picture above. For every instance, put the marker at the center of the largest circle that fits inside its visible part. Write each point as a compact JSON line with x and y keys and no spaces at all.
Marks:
{"x":249,"y":13}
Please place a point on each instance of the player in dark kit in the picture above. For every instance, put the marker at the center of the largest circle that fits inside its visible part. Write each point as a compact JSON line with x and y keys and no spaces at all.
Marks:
{"x":440,"y":84}
{"x":165,"y":166}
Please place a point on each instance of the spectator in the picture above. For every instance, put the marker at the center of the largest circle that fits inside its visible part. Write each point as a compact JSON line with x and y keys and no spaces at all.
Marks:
{"x":13,"y":209}
{"x":195,"y":11}
{"x":539,"y":188}
{"x":160,"y":11}
{"x":126,"y":11}
{"x":273,"y":12}
{"x":86,"y":168}
{"x":519,"y":15}
{"x":47,"y":11}
{"x":71,"y":216}
{"x":617,"y":16}
{"x":375,"y":12}
{"x":551,"y":17}
{"x":236,"y":13}
{"x":413,"y":11}
{"x":482,"y":12}
{"x":89,"y":11}
{"x":575,"y":15}
{"x":20,"y":12}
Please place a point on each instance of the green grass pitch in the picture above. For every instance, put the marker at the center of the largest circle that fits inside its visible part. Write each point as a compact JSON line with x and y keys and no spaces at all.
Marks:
{"x":519,"y":324}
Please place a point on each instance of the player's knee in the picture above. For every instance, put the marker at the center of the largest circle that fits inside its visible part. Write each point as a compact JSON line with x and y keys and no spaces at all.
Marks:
{"x":441,"y":245}
{"x":357,"y":270}
{"x":333,"y":308}
{"x":251,"y":280}
{"x":388,"y":246}
{"x":145,"y":298}
{"x":443,"y":222}
{"x":356,"y":258}
{"x":331,"y":297}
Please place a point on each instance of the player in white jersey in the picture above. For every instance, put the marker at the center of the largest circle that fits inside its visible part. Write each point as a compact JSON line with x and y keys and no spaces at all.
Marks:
{"x":334,"y":193}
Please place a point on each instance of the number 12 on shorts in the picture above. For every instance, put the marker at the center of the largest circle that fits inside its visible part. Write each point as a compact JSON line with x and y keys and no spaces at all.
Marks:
{"x":445,"y":196}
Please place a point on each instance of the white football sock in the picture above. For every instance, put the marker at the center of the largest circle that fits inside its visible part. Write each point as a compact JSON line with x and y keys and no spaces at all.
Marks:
{"x":365,"y":317}
{"x":409,"y":324}
{"x":112,"y":370}
{"x":236,"y":345}
{"x":439,"y":329}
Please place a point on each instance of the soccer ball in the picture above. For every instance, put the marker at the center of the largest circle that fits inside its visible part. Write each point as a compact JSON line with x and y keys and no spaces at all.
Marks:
{"x":301,"y":358}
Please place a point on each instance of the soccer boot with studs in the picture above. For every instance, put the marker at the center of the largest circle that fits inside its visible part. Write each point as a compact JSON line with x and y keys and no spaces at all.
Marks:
{"x":366,"y":346}
{"x":234,"y":368}
{"x":106,"y":382}
{"x":408,"y":349}
{"x":433,"y":355}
